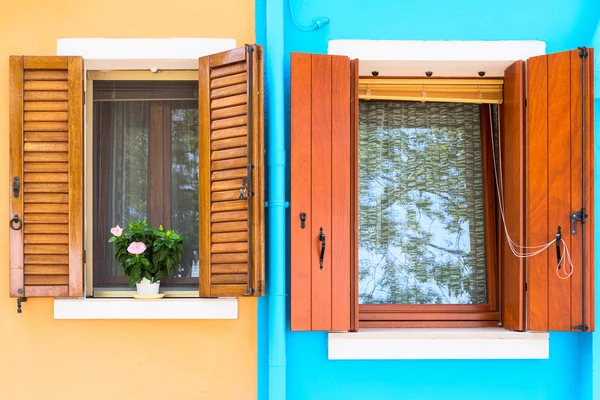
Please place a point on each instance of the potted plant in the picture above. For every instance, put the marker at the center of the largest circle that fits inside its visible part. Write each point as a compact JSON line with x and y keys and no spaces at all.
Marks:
{"x":147,"y":254}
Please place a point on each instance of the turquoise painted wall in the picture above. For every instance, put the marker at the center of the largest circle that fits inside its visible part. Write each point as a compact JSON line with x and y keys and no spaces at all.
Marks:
{"x":574,"y":363}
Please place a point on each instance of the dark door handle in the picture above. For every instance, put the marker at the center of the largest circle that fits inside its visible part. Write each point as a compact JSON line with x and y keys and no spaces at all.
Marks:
{"x":322,"y":239}
{"x":16,"y":186}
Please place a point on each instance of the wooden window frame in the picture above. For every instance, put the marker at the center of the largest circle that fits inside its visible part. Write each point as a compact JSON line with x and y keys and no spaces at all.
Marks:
{"x":451,"y":315}
{"x":127,"y":75}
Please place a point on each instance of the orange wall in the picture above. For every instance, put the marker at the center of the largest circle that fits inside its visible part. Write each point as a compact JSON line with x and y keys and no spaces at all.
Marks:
{"x":41,"y":358}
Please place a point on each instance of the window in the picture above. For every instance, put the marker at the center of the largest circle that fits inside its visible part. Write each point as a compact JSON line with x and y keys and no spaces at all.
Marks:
{"x":395,"y":221}
{"x":426,"y":213}
{"x":145,"y":144}
{"x":180,"y":148}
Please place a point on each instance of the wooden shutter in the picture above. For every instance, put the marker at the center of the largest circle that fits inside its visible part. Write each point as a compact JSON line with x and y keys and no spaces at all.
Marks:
{"x":231,"y":149}
{"x":46,"y":136}
{"x":553,"y":189}
{"x":512,"y":270}
{"x":321,"y":182}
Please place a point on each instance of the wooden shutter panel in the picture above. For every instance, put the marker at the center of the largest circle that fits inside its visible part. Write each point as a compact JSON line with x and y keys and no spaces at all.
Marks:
{"x":553,"y":188}
{"x":46,"y":136}
{"x":321,"y":192}
{"x":512,"y":171}
{"x":231,"y":149}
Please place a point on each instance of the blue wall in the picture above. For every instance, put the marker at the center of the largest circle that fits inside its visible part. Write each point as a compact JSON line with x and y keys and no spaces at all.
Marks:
{"x":569,"y":373}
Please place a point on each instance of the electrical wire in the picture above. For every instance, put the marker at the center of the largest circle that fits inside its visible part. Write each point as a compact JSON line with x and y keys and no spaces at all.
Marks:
{"x":316,"y":25}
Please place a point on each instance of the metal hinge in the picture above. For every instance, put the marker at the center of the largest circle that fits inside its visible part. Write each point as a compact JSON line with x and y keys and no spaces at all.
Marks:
{"x":582,"y":328}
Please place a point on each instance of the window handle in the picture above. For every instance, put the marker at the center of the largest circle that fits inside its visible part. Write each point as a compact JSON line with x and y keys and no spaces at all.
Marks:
{"x":322,"y":239}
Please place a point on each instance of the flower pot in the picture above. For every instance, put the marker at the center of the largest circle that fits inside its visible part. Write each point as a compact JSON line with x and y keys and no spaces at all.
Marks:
{"x":145,"y":287}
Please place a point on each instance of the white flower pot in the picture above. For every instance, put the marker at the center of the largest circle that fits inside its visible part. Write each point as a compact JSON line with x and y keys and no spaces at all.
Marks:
{"x":145,"y":287}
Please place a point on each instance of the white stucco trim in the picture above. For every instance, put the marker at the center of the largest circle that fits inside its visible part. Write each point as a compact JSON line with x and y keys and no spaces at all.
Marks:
{"x":222,"y":308}
{"x":123,"y":54}
{"x":412,"y":344}
{"x":449,"y":50}
{"x":443,"y":58}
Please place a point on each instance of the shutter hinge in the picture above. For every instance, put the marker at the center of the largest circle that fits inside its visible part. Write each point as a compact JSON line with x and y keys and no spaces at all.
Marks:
{"x":525,"y":286}
{"x":581,"y":328}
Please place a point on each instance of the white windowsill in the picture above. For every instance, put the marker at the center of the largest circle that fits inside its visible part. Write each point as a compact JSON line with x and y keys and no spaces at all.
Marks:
{"x":106,"y":308}
{"x":413,"y":344}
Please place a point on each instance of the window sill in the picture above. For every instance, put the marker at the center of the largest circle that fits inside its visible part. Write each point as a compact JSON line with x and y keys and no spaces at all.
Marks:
{"x":414,"y":344}
{"x":223,"y":308}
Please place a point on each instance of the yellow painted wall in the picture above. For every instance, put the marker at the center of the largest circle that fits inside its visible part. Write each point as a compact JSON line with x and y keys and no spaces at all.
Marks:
{"x":41,"y":358}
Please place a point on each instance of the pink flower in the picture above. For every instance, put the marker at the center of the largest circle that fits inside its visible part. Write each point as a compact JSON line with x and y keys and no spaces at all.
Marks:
{"x":136,"y":248}
{"x":117,"y":230}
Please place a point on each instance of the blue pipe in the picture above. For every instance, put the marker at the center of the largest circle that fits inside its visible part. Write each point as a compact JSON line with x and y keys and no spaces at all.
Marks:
{"x":274,"y":53}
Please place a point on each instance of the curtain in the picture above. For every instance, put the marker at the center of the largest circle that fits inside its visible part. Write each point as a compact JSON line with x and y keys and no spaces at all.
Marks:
{"x":421,"y":207}
{"x":122,"y":181}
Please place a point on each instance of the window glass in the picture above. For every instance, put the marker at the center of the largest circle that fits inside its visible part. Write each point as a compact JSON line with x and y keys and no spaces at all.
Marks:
{"x":145,"y":167}
{"x":421,"y":205}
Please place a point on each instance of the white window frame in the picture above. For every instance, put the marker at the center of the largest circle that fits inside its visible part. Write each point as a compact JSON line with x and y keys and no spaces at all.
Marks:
{"x":152,"y":55}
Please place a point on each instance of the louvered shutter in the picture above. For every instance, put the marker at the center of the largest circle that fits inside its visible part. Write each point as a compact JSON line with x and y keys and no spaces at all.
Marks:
{"x":231,"y":173}
{"x":322,"y":222}
{"x":556,"y":93}
{"x":46,"y":180}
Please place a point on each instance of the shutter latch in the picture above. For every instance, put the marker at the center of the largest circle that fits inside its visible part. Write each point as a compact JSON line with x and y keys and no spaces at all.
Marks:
{"x":19,"y":301}
{"x":577,"y":216}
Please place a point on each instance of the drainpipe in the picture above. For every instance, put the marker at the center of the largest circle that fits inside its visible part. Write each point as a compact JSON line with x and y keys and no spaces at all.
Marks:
{"x":274,"y":53}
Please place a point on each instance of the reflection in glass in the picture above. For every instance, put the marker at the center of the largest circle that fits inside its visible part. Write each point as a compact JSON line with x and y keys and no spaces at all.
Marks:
{"x":421,"y":209}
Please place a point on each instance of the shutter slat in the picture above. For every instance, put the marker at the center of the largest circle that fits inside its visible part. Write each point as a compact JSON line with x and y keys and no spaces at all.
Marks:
{"x":46,"y":279}
{"x":46,"y":76}
{"x":229,"y":174}
{"x":46,"y":147}
{"x":46,"y":177}
{"x":228,"y":164}
{"x":45,"y":249}
{"x":227,"y":70}
{"x":42,"y":116}
{"x":46,"y":188}
{"x":229,"y":133}
{"x":229,"y":248}
{"x":234,"y":226}
{"x":35,"y":259}
{"x":42,"y":208}
{"x":43,"y":156}
{"x":229,"y":237}
{"x":46,"y":218}
{"x":225,"y":195}
{"x":46,"y":96}
{"x":46,"y":126}
{"x":229,"y":101}
{"x":46,"y":167}
{"x":229,"y":216}
{"x":228,"y":91}
{"x":46,"y":228}
{"x":51,"y":197}
{"x":229,"y":153}
{"x":33,"y":269}
{"x":229,"y":226}
{"x":230,"y":122}
{"x":46,"y":239}
{"x":229,"y":112}
{"x":47,"y":291}
{"x":228,"y":80}
{"x":45,"y":63}
{"x":46,"y":85}
{"x":218,"y":269}
{"x":229,"y":205}
{"x":45,"y":106}
{"x":228,"y":279}
{"x":46,"y":137}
